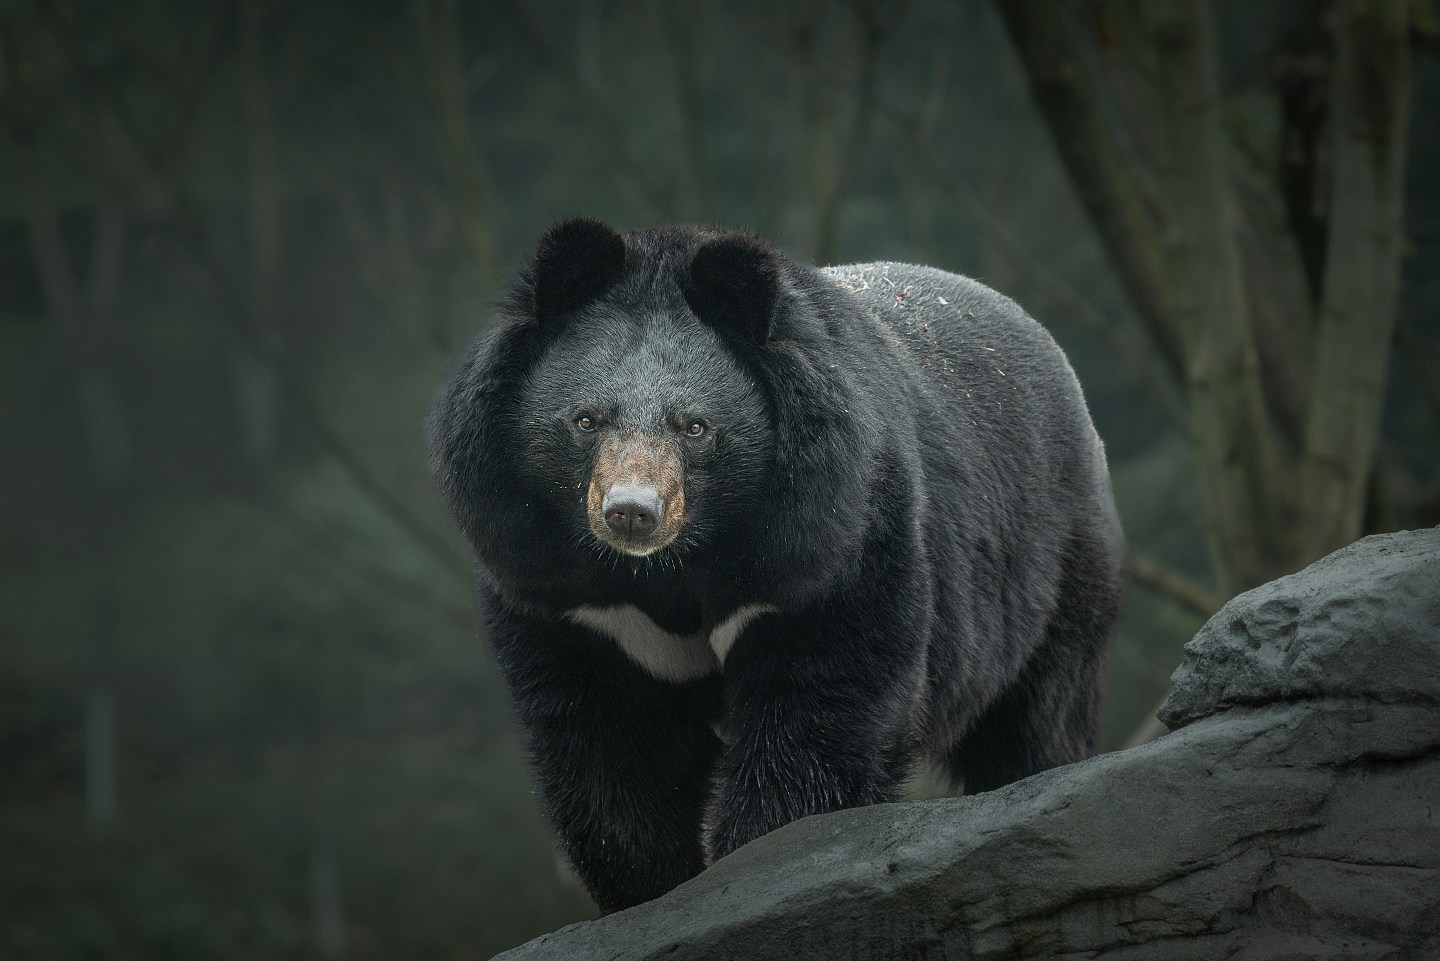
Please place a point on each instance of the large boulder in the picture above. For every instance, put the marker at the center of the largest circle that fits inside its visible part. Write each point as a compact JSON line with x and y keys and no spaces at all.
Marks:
{"x":1292,"y":813}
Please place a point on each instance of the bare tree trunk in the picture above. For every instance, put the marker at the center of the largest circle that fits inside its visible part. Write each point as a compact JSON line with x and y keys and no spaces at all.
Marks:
{"x":1370,"y":114}
{"x":1102,"y":176}
{"x":253,"y":379}
{"x":441,"y":34}
{"x":1229,"y":430}
{"x":656,"y":192}
{"x":1004,"y":171}
{"x":681,"y":23}
{"x":327,"y":906}
{"x":101,"y":794}
{"x":83,"y":313}
{"x":1243,"y":345}
{"x":1127,"y":347}
{"x":833,"y":174}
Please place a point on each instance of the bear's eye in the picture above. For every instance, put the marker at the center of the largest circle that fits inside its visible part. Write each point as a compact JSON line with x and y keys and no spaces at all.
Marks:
{"x":586,"y":422}
{"x":696,"y":428}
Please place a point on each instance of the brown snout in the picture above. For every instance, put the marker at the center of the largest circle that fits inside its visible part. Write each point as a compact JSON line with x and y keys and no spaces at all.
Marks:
{"x":637,"y":493}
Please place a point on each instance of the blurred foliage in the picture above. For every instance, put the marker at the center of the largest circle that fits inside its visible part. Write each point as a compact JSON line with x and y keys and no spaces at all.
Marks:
{"x":216,"y":500}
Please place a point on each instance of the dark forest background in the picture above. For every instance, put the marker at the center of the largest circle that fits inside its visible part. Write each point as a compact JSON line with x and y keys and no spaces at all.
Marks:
{"x":244,"y":708}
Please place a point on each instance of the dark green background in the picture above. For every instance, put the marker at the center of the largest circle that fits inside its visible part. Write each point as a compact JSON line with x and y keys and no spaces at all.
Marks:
{"x":216,"y":510}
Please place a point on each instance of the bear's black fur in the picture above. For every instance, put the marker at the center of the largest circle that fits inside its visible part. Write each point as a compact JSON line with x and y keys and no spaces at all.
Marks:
{"x":873,"y":524}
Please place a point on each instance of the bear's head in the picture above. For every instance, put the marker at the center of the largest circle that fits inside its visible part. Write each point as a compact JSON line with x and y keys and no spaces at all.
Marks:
{"x":640,"y":410}
{"x":665,"y":402}
{"x":616,"y":408}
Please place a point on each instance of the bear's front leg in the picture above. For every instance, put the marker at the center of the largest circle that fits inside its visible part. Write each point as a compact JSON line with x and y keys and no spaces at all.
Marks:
{"x":623,"y":760}
{"x":819,"y":715}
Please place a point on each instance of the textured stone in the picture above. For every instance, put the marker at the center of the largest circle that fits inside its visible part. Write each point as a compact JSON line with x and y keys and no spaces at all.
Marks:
{"x":1358,"y":623}
{"x":1292,"y":814}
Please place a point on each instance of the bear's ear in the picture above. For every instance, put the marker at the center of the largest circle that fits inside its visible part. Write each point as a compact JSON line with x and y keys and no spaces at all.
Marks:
{"x":577,"y":260}
{"x":733,"y":284}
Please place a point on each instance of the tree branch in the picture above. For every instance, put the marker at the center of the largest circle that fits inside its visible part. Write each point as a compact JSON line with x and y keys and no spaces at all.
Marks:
{"x":537,"y":36}
{"x":311,"y":536}
{"x":1102,"y":180}
{"x":232,"y":309}
{"x":1149,"y":729}
{"x":1144,"y":572}
{"x":1281,"y":321}
{"x":1147,"y":574}
{"x":1130,"y":351}
{"x":303,"y":404}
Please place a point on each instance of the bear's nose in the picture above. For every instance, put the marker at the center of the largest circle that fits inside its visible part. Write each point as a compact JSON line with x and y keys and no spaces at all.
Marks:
{"x":633,"y":510}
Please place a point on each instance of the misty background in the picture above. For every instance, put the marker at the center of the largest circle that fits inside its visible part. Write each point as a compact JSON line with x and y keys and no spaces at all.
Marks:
{"x":245,"y":710}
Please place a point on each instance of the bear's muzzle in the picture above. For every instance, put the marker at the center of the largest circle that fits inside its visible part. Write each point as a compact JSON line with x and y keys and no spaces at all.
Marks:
{"x":636,"y":500}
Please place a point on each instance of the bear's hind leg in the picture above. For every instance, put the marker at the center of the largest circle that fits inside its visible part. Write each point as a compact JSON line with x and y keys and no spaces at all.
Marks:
{"x":1050,"y":714}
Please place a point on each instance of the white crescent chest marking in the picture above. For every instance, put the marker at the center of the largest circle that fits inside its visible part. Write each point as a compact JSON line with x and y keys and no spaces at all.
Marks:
{"x":669,"y":657}
{"x":727,"y":632}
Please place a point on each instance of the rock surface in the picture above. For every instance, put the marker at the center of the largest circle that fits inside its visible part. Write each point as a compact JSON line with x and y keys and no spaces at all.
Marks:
{"x":1293,"y":812}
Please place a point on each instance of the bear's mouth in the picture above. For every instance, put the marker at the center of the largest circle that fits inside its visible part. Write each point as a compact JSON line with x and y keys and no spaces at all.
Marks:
{"x":634,"y":547}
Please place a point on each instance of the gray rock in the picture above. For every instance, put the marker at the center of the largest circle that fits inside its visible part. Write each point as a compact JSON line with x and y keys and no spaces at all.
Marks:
{"x":1293,"y":814}
{"x":1358,"y":623}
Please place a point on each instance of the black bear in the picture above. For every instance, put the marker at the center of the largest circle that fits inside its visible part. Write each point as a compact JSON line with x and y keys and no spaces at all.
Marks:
{"x":752,"y":537}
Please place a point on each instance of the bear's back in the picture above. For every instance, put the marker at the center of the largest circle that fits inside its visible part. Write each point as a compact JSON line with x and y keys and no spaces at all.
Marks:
{"x":977,"y":353}
{"x":994,"y":390}
{"x":960,"y":332}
